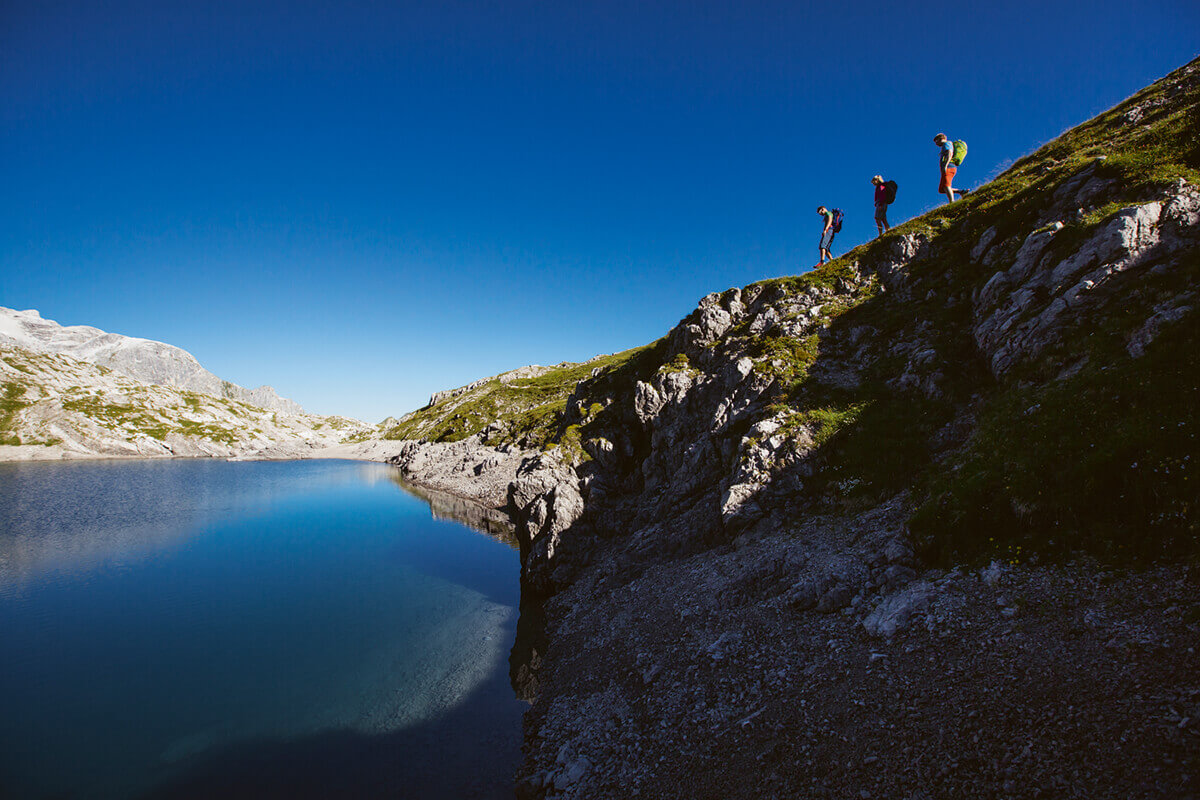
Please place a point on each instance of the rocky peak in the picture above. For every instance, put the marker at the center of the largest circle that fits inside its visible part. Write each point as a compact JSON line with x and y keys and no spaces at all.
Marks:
{"x":141,"y":359}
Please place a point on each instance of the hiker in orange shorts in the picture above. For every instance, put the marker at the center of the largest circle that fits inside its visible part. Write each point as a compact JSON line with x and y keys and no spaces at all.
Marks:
{"x":948,"y":167}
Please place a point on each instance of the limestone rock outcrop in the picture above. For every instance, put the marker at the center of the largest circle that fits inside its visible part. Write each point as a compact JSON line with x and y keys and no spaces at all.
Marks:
{"x":57,"y":406}
{"x":141,"y":359}
{"x":1023,"y":309}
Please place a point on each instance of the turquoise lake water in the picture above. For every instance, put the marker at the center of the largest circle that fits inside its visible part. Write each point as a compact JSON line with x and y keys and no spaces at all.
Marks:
{"x":207,"y":629}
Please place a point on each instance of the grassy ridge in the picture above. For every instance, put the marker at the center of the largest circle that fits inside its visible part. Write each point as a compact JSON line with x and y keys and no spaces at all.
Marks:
{"x":528,"y":412}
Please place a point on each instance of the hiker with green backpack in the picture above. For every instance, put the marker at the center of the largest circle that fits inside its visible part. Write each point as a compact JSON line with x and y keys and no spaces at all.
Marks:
{"x":885,"y":195}
{"x":952,"y":155}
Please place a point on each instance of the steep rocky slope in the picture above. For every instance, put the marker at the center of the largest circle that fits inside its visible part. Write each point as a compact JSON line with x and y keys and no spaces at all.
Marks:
{"x":920,"y":523}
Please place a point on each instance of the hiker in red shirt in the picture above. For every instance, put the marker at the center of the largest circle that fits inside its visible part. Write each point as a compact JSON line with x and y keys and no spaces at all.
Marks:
{"x":885,"y":193}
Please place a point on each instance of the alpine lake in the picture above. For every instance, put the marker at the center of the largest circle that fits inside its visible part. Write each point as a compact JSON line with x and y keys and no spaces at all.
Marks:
{"x":299,"y":629}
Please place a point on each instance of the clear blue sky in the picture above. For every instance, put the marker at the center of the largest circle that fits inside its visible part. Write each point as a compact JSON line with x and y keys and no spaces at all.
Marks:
{"x":362,"y":202}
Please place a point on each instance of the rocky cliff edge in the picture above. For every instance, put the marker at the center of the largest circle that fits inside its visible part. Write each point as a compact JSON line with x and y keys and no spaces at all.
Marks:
{"x":920,"y":523}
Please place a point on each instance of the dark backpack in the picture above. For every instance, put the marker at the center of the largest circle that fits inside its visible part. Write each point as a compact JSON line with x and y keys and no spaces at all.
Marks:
{"x":837,"y":220}
{"x":889,"y":192}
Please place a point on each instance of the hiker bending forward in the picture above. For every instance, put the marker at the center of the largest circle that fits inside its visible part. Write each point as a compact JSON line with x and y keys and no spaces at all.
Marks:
{"x":881,"y":204}
{"x":826,"y":235}
{"x":946,"y":162}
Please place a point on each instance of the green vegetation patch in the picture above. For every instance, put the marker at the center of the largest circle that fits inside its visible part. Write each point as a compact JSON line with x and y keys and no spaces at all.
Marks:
{"x":831,"y":276}
{"x":786,"y":358}
{"x":877,"y":446}
{"x":109,"y":414}
{"x":824,"y":423}
{"x":352,"y":438}
{"x":530,"y":411}
{"x":10,"y":405}
{"x":679,"y":363}
{"x":137,"y":419}
{"x":1104,"y":461}
{"x":215,"y":433}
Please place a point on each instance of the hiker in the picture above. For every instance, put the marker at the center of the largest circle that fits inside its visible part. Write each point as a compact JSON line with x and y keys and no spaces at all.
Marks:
{"x":885,"y":195}
{"x":833,"y":224}
{"x":949,"y":161}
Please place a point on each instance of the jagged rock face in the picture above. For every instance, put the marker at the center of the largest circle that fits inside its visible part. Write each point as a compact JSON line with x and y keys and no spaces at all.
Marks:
{"x":540,"y":494}
{"x":467,"y":469}
{"x":141,"y":359}
{"x":1023,"y":309}
{"x":698,"y":454}
{"x":700,"y":583}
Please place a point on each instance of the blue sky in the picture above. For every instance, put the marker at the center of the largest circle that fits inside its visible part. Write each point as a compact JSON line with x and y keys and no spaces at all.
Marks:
{"x":362,"y":202}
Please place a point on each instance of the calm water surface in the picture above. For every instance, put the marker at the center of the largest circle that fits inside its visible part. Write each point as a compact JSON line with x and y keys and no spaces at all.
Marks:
{"x":262,"y":629}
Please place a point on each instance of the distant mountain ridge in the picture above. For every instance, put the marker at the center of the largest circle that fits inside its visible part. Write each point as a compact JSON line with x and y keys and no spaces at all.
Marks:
{"x":145,"y":360}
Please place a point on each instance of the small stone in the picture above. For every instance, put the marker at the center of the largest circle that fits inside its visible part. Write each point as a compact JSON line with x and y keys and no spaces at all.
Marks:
{"x":835,"y":599}
{"x":572,"y":774}
{"x":992,"y":573}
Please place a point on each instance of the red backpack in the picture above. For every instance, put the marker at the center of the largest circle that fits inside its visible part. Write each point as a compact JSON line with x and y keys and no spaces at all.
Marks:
{"x":837,"y":220}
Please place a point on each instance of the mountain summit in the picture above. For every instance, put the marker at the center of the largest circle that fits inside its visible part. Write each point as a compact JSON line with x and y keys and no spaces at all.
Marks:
{"x":69,"y":392}
{"x":141,"y":359}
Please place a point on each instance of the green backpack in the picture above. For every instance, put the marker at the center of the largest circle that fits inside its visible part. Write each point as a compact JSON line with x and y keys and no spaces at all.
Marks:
{"x":960,"y":151}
